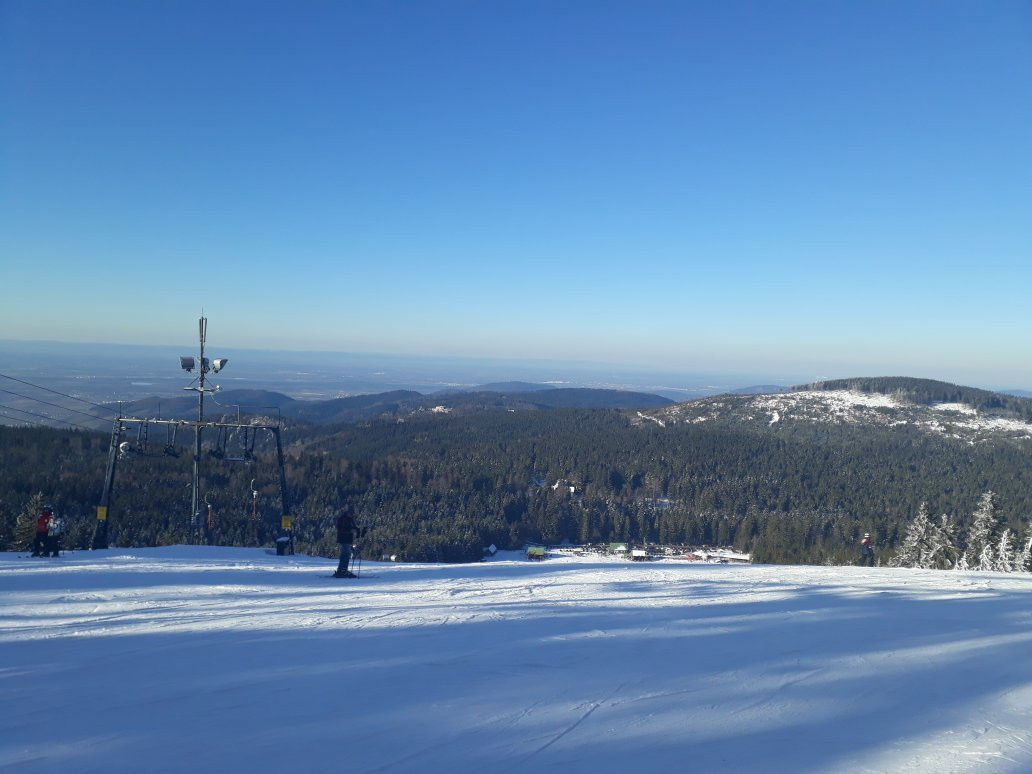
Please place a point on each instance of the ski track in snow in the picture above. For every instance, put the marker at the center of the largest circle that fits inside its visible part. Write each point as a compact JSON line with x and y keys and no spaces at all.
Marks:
{"x":216,"y":659}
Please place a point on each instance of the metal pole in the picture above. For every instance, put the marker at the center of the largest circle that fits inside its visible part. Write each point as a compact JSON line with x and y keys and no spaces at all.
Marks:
{"x":100,"y":533}
{"x":286,"y":520}
{"x":195,"y":521}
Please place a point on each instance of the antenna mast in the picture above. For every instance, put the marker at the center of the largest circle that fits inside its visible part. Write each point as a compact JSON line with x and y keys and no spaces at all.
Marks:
{"x":202,"y":368}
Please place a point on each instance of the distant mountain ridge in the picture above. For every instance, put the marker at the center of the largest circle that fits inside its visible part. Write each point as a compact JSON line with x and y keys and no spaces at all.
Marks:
{"x":399,"y":403}
{"x":928,"y":392}
{"x":931,"y":407}
{"x":512,"y":387}
{"x":900,"y":395}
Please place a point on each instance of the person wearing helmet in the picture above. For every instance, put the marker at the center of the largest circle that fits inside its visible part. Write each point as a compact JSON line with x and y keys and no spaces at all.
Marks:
{"x":866,"y":551}
{"x":39,"y":543}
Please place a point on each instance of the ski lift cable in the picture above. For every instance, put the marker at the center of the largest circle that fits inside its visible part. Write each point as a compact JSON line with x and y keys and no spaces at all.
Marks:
{"x":41,"y":416}
{"x":62,"y":394}
{"x":55,"y":405}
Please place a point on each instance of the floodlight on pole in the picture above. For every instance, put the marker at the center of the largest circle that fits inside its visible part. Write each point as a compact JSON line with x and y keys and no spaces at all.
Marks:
{"x":204,"y":367}
{"x":119,"y":448}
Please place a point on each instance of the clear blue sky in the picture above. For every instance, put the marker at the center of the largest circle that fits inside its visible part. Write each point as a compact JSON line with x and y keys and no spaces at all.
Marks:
{"x":827,"y":188}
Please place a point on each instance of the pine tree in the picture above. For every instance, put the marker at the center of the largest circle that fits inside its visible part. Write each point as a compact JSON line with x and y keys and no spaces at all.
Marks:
{"x":25,"y":527}
{"x":987,"y":559}
{"x":982,"y":537}
{"x":962,"y":563}
{"x":942,"y":548}
{"x":8,"y":521}
{"x":915,"y":544}
{"x":1006,"y":559}
{"x":1025,"y":557}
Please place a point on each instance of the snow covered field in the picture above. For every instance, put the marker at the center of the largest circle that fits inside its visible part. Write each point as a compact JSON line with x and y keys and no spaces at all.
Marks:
{"x":214,"y":659}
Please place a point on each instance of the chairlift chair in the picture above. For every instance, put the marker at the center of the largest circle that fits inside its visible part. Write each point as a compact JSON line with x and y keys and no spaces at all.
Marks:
{"x":219,"y":450}
{"x":170,"y":440}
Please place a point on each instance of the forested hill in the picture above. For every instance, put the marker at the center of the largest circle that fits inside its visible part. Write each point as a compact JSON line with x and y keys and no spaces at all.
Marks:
{"x":396,"y":404}
{"x":791,"y":477}
{"x":930,"y":408}
{"x":928,"y":392}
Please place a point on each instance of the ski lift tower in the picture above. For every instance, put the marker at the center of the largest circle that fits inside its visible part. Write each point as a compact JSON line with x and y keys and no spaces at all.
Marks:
{"x":118,"y":448}
{"x":203,"y":367}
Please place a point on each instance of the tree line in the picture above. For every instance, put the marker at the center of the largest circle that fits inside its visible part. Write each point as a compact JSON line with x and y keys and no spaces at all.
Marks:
{"x":440,"y":487}
{"x":989,"y":544}
{"x":929,"y":391}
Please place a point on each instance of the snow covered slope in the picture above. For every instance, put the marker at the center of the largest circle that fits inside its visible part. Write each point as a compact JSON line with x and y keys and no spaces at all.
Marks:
{"x":845,"y":407}
{"x":214,"y":659}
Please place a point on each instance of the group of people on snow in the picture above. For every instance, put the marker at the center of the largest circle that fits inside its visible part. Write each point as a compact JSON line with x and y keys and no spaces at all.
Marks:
{"x":49,"y":529}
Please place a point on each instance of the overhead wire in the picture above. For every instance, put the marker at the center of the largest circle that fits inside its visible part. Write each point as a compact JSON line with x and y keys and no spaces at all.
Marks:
{"x":58,"y":392}
{"x":55,"y":405}
{"x":42,"y":416}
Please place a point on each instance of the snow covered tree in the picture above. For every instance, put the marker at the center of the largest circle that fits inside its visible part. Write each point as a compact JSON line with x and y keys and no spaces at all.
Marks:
{"x":983,"y":536}
{"x":987,"y":559}
{"x":962,"y":563}
{"x":942,"y":546}
{"x":1006,"y":559}
{"x":25,"y":526}
{"x":1025,"y":556}
{"x":916,"y":543}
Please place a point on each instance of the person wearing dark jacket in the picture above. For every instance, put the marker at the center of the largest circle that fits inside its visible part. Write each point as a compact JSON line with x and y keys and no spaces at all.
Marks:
{"x":39,"y":543}
{"x":347,"y":531}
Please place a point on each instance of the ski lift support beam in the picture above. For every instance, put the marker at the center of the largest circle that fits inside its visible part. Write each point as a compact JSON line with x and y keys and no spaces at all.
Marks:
{"x":121,"y":424}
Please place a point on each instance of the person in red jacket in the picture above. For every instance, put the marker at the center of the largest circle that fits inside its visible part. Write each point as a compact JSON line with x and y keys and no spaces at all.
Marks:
{"x":39,"y":544}
{"x":866,"y":551}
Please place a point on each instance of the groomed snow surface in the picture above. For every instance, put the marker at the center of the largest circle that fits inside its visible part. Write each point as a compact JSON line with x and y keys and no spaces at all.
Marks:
{"x":190,"y":659}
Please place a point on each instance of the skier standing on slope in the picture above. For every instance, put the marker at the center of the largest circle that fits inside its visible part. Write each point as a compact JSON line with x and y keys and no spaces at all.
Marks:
{"x":54,"y":534}
{"x":866,"y":551}
{"x":39,"y":543}
{"x":347,"y":531}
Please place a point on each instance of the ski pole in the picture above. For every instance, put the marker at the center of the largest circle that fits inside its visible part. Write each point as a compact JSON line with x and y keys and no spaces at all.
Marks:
{"x":358,"y":573}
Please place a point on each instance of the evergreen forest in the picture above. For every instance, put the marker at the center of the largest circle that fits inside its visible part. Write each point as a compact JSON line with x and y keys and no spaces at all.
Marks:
{"x":442,"y":487}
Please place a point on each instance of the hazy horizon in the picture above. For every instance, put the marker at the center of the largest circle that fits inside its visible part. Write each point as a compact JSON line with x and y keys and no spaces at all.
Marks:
{"x":323,"y":375}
